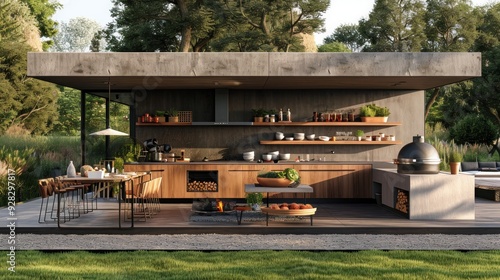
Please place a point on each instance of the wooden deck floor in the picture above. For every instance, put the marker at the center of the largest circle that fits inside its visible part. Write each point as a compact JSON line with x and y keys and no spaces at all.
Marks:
{"x":330,"y":218}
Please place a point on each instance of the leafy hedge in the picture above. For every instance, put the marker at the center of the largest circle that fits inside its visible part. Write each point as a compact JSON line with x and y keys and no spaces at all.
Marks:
{"x":474,"y":129}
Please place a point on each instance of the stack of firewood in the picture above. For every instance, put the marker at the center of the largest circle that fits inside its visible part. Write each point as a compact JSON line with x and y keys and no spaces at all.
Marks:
{"x":202,"y":186}
{"x":402,"y":202}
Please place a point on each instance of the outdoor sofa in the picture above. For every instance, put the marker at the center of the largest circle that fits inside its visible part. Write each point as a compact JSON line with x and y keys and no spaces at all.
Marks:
{"x":486,"y":177}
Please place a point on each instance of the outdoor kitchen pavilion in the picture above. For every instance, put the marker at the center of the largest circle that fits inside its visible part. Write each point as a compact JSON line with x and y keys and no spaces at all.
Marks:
{"x":304,"y":82}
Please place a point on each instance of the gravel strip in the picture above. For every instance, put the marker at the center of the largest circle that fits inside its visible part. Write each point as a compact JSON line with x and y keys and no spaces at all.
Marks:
{"x":220,"y":242}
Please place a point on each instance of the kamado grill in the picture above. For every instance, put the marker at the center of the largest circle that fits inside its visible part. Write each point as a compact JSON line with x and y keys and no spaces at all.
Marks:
{"x":418,"y":158}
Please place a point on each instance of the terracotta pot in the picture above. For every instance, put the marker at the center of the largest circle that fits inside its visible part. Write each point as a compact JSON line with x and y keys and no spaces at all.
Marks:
{"x":173,"y":119}
{"x":374,"y":119}
{"x":454,"y":167}
{"x":258,"y":119}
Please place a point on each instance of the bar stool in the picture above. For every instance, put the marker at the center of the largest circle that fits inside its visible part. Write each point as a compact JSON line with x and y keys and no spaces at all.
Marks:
{"x":46,"y":191}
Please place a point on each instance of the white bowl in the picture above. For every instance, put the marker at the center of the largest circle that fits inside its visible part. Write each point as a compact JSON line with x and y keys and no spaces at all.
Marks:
{"x":267,"y":157}
{"x":324,"y":138}
{"x":299,"y":136}
{"x":252,"y":153}
{"x":285,"y":156}
{"x":274,"y":153}
{"x":279,"y":135}
{"x":250,"y":157}
{"x":289,"y":138}
{"x":311,"y":136}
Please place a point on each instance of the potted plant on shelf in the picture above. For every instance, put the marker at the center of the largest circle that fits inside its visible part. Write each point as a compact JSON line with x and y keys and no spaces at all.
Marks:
{"x":173,"y":115}
{"x":254,"y":200}
{"x":258,"y":115}
{"x":454,"y":159}
{"x":161,"y":116}
{"x":359,"y":134}
{"x":374,"y":113}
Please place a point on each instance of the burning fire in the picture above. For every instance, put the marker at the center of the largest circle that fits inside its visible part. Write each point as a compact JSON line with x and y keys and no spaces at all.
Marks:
{"x":219,"y":205}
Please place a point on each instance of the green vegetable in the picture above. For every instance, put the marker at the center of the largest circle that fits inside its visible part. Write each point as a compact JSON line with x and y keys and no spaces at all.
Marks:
{"x":289,"y":173}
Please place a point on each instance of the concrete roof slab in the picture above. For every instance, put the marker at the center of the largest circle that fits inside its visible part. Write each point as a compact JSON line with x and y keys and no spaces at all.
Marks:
{"x":91,"y":71}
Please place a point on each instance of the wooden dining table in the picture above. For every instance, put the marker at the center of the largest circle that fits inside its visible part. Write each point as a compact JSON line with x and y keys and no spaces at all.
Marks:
{"x":121,"y":179}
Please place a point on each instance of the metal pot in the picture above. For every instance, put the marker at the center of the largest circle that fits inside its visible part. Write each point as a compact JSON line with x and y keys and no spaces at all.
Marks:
{"x":418,"y":157}
{"x":157,"y":156}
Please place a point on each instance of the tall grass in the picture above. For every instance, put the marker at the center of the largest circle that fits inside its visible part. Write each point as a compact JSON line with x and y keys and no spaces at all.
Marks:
{"x":437,"y":136}
{"x":36,"y":157}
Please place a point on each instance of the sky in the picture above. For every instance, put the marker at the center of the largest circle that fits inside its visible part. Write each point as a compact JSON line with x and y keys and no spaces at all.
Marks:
{"x":340,"y":12}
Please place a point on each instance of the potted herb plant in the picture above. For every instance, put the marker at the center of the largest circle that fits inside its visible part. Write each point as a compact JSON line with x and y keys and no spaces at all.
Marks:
{"x":161,"y":116}
{"x":254,"y":200}
{"x":173,"y":115}
{"x":258,"y":114}
{"x":454,"y":159}
{"x":374,"y":113}
{"x":359,"y":134}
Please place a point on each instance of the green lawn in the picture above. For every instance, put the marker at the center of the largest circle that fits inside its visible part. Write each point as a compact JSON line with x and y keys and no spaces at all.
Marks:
{"x":256,"y":265}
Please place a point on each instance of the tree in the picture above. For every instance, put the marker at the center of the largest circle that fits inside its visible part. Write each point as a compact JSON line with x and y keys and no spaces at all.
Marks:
{"x":349,"y":35}
{"x":451,"y":26}
{"x":188,"y":25}
{"x":394,"y":25}
{"x":488,"y":35}
{"x":24,"y":101}
{"x":334,"y":47}
{"x":76,"y":35}
{"x":68,"y":107}
{"x":17,"y":24}
{"x":161,"y":25}
{"x":43,"y":10}
{"x":276,"y":25}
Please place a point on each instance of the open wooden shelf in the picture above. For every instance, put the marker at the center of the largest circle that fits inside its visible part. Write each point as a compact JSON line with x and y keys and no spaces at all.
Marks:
{"x":163,"y":124}
{"x":326,"y":123}
{"x":338,"y":124}
{"x":319,"y":142}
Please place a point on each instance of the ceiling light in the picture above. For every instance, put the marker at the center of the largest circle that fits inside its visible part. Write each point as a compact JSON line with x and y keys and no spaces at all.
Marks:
{"x":109,"y":131}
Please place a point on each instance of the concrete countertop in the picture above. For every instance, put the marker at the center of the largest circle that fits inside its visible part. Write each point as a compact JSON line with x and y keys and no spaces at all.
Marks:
{"x":241,"y":162}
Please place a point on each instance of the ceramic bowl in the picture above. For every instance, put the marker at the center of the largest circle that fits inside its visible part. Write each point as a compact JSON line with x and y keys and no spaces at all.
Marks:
{"x":289,"y":138}
{"x":267,"y":157}
{"x":324,"y":138}
{"x":248,"y":157}
{"x":279,"y":135}
{"x":299,"y":136}
{"x":310,"y":136}
{"x":285,"y":156}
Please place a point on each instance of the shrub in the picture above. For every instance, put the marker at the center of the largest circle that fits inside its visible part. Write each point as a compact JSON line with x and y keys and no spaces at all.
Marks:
{"x":474,"y":129}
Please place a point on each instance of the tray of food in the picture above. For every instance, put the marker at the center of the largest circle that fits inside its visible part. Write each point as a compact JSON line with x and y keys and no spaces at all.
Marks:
{"x":290,"y":209}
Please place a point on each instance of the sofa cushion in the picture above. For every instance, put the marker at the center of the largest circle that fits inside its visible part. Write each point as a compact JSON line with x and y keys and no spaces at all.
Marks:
{"x":470,"y":166}
{"x":488,"y":169}
{"x":487,"y":166}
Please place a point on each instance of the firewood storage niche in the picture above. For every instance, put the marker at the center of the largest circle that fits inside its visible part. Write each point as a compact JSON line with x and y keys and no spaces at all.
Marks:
{"x":202,"y":181}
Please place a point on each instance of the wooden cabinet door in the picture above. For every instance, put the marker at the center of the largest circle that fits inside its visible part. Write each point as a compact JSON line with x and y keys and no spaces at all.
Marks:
{"x":337,"y":181}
